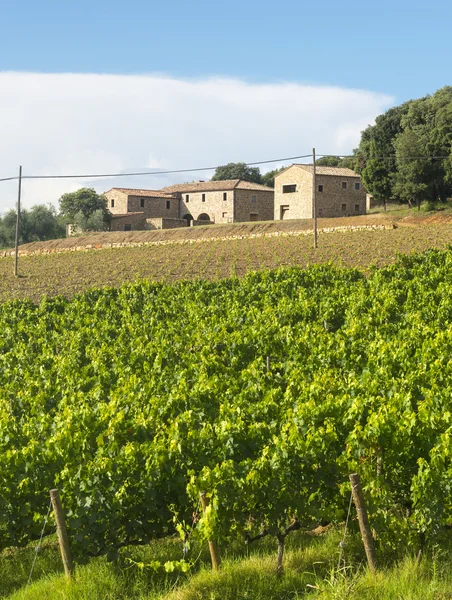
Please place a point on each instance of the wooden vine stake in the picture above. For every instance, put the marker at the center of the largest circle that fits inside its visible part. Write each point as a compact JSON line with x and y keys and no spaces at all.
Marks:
{"x":213,"y":548}
{"x":363,"y":521}
{"x":63,"y":539}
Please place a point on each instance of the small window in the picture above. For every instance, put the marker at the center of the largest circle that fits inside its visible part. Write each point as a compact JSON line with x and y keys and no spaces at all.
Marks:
{"x":320,"y":212}
{"x":254,"y":216}
{"x":142,"y":202}
{"x":128,"y":227}
{"x":289,"y":189}
{"x":253,"y":199}
{"x":225,"y":195}
{"x":356,"y":207}
{"x":168,"y":204}
{"x":344,"y":185}
{"x":187,"y":198}
{"x":112,"y":204}
{"x":224,"y":215}
{"x":344,"y":208}
{"x":357,"y":186}
{"x":320,"y":188}
{"x":203,"y":197}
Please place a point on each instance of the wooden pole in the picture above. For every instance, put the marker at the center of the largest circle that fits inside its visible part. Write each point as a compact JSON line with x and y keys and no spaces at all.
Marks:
{"x":363,"y":521}
{"x":213,"y":548}
{"x":268,"y":363}
{"x":63,"y":539}
{"x":16,"y":247}
{"x":314,"y":198}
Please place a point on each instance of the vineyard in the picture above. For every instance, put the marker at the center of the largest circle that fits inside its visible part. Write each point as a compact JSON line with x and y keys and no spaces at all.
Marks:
{"x":134,"y":400}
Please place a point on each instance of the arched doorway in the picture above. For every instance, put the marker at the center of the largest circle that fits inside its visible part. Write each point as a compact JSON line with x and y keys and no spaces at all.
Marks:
{"x":188,"y":218}
{"x":203,"y":217}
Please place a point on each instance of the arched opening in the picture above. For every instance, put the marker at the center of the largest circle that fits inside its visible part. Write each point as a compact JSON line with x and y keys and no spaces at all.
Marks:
{"x":203,"y":217}
{"x":188,"y":218}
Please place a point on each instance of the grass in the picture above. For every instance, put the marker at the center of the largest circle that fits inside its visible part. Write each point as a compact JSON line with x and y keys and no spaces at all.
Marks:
{"x":71,"y":272}
{"x":310,"y":572}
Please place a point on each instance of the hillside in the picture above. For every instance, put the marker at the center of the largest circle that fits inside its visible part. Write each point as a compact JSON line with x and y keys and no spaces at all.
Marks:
{"x":53,"y":268}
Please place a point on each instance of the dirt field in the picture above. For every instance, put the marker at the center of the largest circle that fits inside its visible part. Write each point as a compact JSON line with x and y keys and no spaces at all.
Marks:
{"x":70,"y":272}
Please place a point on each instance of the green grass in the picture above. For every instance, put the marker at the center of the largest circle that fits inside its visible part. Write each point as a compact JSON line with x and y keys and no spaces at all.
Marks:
{"x":310,"y":572}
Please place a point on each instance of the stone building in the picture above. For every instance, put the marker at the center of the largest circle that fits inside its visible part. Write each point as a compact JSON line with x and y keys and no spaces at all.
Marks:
{"x":228,"y":201}
{"x":339,"y":192}
{"x":132,"y":209}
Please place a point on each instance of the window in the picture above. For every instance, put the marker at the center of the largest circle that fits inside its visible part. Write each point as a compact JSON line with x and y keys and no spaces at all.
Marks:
{"x":112,"y":204}
{"x":289,"y":189}
{"x":128,"y":227}
{"x":357,"y":186}
{"x":356,"y":207}
{"x":253,"y":199}
{"x":187,"y":198}
{"x":344,"y":208}
{"x":320,"y":212}
{"x":203,"y":197}
{"x":168,"y":204}
{"x":320,"y":188}
{"x":224,"y":215}
{"x":142,"y":202}
{"x":344,"y":185}
{"x":225,"y":195}
{"x":254,"y":216}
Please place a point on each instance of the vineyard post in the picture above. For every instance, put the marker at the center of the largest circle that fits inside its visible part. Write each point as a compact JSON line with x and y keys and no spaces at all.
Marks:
{"x":363,"y":520}
{"x":314,"y":198}
{"x":268,"y":363}
{"x":63,"y":539}
{"x":16,"y":244}
{"x":213,"y":548}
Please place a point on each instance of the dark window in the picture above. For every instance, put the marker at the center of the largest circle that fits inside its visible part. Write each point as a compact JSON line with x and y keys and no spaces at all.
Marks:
{"x":225,"y":196}
{"x":253,"y":199}
{"x":128,"y":227}
{"x":142,"y":202}
{"x":203,"y":198}
{"x":168,"y":204}
{"x":289,"y":189}
{"x":254,"y":216}
{"x":357,"y":186}
{"x":344,"y":207}
{"x":320,"y":212}
{"x":344,"y":185}
{"x":356,"y":207}
{"x":112,"y":204}
{"x":320,"y":188}
{"x":187,"y":198}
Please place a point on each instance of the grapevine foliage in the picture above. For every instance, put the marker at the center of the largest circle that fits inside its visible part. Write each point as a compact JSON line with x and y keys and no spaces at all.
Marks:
{"x":133,"y":400}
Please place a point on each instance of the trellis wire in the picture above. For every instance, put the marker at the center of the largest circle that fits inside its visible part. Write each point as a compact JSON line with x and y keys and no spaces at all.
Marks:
{"x":38,"y":546}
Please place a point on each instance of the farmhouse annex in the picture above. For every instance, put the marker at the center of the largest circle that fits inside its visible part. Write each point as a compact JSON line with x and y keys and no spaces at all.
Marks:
{"x":339,"y":192}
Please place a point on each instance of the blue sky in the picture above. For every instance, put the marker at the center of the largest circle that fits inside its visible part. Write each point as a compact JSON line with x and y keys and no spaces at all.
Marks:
{"x":397,"y":47}
{"x":101,"y":87}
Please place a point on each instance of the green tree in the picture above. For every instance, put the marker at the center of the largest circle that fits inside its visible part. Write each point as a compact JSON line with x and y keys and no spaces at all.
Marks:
{"x":37,"y":224}
{"x":268,"y":178}
{"x":86,"y":201}
{"x":94,"y":222}
{"x":329,"y":161}
{"x":237,"y":171}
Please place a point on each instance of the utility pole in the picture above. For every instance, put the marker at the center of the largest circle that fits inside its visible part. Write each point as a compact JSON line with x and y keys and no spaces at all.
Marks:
{"x":16,"y":250}
{"x":314,"y":203}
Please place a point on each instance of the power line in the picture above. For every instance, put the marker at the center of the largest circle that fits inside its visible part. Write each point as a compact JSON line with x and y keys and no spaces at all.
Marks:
{"x":99,"y":176}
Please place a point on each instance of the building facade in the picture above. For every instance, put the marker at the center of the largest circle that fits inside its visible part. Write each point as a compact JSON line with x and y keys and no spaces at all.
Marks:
{"x":228,"y":201}
{"x":339,"y":193}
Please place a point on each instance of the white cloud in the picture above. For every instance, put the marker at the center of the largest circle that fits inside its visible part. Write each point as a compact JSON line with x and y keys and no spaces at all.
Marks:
{"x":87,"y":123}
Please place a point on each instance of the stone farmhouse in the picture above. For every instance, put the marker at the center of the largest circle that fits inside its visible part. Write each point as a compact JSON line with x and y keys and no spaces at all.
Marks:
{"x":184,"y":204}
{"x":339,"y":192}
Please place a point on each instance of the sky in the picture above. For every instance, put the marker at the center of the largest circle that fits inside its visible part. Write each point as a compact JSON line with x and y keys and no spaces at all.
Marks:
{"x":102,"y":87}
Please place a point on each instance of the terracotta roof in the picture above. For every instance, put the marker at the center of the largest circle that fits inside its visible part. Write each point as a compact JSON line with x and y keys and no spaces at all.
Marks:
{"x":143,"y":193}
{"x":338,"y":171}
{"x":212,"y":186}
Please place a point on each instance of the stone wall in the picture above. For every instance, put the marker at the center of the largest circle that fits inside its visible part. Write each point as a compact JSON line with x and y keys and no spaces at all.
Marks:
{"x":332,"y":201}
{"x":165,"y":223}
{"x":155,"y":208}
{"x":213,"y":204}
{"x":254,"y":205}
{"x":120,"y":202}
{"x":137,"y":221}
